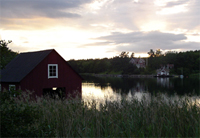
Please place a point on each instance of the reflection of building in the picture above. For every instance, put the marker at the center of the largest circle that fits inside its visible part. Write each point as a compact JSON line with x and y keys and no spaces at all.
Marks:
{"x":139,"y":62}
{"x":138,"y":88}
{"x":164,"y":82}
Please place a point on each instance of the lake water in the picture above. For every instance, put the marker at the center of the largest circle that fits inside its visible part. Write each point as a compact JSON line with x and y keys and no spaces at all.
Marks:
{"x":113,"y":88}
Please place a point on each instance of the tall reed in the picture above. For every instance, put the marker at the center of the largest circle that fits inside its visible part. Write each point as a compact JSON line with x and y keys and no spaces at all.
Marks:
{"x":156,"y":117}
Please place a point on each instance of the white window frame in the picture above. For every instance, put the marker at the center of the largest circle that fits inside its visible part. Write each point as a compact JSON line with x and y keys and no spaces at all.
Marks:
{"x":56,"y":65}
{"x":11,"y":85}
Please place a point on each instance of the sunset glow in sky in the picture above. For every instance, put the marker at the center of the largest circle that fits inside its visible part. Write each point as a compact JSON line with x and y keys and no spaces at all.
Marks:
{"x":82,"y":29}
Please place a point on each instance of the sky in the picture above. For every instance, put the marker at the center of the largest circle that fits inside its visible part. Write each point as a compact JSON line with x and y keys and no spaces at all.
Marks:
{"x":84,"y":29}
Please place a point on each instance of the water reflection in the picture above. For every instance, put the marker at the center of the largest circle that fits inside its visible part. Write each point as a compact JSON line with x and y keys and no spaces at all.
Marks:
{"x":164,"y":82}
{"x":114,"y":89}
{"x":150,"y":85}
{"x":92,"y":91}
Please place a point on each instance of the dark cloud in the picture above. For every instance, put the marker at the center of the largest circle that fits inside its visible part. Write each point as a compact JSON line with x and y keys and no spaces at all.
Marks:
{"x":133,"y":37}
{"x":143,"y":41}
{"x":40,"y":8}
{"x":176,"y":3}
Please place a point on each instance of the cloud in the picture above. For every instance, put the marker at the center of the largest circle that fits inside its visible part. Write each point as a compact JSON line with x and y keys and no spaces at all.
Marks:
{"x":106,"y":43}
{"x":175,"y":3}
{"x":132,"y":16}
{"x":134,"y":37}
{"x":124,"y":14}
{"x":81,"y":14}
{"x":189,"y":19}
{"x":39,"y":14}
{"x":115,"y":25}
{"x":42,"y":8}
{"x":143,"y":41}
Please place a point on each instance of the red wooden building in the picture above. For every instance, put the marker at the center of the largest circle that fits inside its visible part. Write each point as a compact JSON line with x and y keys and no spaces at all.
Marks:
{"x":42,"y":72}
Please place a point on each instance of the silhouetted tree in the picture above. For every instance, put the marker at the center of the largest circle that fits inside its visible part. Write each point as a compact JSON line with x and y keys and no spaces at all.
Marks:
{"x":151,"y":53}
{"x":158,"y":52}
{"x":132,"y":55}
{"x":124,"y":54}
{"x":6,"y":54}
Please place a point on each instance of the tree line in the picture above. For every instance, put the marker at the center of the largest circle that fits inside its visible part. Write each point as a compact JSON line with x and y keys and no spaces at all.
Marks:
{"x":185,"y":63}
{"x":116,"y":65}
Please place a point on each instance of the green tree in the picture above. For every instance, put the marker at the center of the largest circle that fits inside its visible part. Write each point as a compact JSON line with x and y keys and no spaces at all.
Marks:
{"x":158,"y":52}
{"x":124,"y":54}
{"x":151,"y":53}
{"x":132,"y":55}
{"x":6,"y":54}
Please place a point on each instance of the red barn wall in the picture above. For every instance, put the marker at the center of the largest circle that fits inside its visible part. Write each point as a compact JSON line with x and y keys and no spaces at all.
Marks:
{"x":38,"y":79}
{"x":5,"y":85}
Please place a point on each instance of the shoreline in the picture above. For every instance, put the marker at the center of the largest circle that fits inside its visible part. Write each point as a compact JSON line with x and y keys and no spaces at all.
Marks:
{"x":127,"y":76}
{"x":123,"y":76}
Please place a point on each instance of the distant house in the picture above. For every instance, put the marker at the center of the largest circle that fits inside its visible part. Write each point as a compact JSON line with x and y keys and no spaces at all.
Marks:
{"x":139,"y":62}
{"x":43,"y":72}
{"x":164,"y":70}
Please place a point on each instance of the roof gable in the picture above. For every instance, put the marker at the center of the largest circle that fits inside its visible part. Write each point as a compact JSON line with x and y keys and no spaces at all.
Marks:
{"x":21,"y":65}
{"x":137,"y":60}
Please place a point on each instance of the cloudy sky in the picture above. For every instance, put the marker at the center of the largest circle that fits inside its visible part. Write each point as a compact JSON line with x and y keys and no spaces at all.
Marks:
{"x":82,"y":29}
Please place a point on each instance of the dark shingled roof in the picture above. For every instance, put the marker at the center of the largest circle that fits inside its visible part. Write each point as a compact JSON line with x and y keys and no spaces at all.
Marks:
{"x":21,"y":65}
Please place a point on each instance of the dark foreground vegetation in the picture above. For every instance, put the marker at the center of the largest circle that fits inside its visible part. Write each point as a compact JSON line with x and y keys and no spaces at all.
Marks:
{"x":186,"y":63}
{"x":74,"y":118}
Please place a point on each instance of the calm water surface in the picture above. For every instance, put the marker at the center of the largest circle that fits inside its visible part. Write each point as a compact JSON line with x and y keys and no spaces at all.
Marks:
{"x":101,"y":88}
